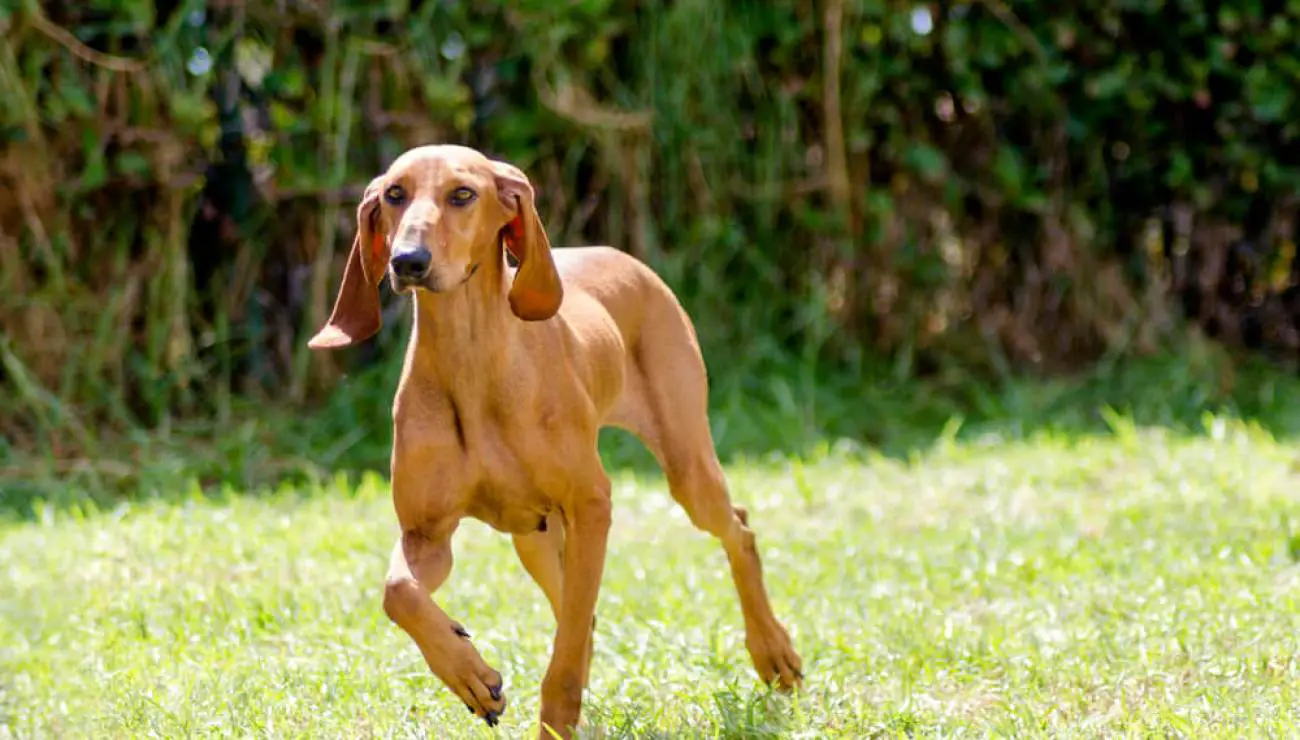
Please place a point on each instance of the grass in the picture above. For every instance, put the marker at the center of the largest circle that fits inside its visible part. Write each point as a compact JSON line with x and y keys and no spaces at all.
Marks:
{"x":1136,"y":582}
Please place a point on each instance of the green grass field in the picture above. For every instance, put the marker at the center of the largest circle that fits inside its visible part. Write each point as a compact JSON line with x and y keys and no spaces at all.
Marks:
{"x":1131,"y":583}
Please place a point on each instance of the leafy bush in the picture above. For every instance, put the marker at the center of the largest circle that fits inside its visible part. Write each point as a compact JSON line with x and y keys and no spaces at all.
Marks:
{"x":1002,"y":185}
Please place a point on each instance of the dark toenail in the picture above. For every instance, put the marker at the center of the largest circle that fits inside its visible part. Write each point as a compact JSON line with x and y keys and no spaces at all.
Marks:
{"x":798,"y":675}
{"x":471,"y":709}
{"x":460,"y":631}
{"x":495,"y":691}
{"x":491,"y":719}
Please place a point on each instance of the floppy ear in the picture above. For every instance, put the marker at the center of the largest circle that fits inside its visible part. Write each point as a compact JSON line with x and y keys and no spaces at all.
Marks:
{"x":536,"y":292}
{"x":356,"y":316}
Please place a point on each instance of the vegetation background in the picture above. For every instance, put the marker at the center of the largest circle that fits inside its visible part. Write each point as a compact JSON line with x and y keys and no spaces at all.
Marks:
{"x":895,"y":207}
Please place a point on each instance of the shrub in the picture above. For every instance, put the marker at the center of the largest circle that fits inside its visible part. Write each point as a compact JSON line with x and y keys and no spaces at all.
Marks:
{"x":1000,"y":185}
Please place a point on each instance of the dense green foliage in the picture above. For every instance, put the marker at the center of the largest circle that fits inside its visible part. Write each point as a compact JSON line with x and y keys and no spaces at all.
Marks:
{"x":1000,"y":185}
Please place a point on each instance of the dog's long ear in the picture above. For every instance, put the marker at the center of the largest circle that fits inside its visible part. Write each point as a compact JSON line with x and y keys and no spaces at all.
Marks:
{"x":356,"y":316}
{"x":536,"y":292}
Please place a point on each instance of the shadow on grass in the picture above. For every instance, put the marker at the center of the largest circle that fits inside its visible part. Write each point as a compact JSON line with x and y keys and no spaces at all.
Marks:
{"x":767,"y":409}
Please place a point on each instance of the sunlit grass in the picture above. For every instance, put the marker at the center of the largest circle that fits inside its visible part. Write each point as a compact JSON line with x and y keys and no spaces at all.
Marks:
{"x":1064,"y":585}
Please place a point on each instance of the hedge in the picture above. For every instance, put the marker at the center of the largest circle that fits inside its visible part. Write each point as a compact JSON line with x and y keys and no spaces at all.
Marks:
{"x":1017,"y":186}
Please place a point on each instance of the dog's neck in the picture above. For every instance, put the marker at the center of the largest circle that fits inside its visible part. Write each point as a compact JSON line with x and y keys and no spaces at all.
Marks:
{"x":465,"y":333}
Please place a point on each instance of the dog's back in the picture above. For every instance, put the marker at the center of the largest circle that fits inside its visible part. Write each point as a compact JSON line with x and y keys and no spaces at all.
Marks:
{"x":625,"y":287}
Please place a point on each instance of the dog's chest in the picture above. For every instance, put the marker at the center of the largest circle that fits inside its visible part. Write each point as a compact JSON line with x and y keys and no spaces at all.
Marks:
{"x":505,"y":464}
{"x":512,"y":510}
{"x":507,"y":494}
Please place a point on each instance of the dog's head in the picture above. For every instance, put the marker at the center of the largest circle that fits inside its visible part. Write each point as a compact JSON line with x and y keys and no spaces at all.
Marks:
{"x":430,"y":222}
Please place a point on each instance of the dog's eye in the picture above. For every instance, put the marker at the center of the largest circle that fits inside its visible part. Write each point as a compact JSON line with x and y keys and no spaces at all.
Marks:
{"x":395,"y":195}
{"x":462,"y":196}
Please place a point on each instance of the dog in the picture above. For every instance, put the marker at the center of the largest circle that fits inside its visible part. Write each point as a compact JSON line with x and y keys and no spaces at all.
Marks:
{"x":508,"y":378}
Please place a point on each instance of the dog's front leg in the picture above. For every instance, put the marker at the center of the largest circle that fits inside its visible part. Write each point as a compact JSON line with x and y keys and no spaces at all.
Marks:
{"x":419,"y":565}
{"x":587,"y":521}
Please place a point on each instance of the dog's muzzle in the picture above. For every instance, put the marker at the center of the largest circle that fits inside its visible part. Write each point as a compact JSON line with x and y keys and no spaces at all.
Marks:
{"x":413,"y":269}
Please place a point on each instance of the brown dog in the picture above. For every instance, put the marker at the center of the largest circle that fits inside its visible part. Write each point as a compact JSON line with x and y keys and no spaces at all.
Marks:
{"x":509,"y":377}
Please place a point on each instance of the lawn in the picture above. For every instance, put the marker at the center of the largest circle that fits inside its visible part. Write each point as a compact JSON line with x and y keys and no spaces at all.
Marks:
{"x":1080,"y":585}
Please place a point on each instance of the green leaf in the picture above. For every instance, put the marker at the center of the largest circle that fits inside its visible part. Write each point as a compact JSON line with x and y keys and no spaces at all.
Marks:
{"x":926,"y":160}
{"x":1008,"y":171}
{"x":132,"y":164}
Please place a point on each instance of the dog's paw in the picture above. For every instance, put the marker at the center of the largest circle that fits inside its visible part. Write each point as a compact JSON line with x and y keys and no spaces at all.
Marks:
{"x":483,"y":694}
{"x":774,"y":656}
{"x":491,"y":716}
{"x":474,"y":681}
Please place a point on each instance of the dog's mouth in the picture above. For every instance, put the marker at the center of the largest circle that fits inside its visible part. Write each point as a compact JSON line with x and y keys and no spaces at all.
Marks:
{"x":404,"y":285}
{"x":429,"y":282}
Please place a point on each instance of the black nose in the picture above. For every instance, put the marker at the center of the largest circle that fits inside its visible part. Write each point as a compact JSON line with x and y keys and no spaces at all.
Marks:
{"x":411,"y":264}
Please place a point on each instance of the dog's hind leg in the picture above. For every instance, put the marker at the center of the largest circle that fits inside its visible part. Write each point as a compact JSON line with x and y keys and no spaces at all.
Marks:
{"x":666,"y":405}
